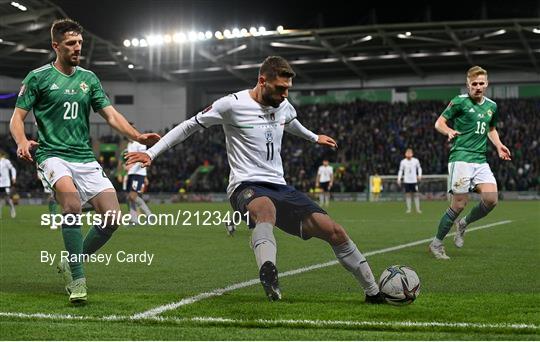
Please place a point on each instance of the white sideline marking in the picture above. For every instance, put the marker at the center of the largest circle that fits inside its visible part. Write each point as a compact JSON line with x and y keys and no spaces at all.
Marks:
{"x":277,"y":322}
{"x":218,"y":292}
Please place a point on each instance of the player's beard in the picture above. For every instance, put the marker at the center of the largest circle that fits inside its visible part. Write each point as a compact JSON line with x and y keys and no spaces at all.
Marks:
{"x":72,"y":62}
{"x":269,"y":100}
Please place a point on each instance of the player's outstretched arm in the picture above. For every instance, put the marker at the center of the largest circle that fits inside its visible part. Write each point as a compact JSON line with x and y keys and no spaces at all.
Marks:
{"x":441,"y":125}
{"x":169,"y":140}
{"x":503,"y":151}
{"x":122,"y":126}
{"x":16,"y":126}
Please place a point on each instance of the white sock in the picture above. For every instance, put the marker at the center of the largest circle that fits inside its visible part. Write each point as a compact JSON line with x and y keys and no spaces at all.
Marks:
{"x":417,"y":202}
{"x":11,"y":205}
{"x":142,"y":204}
{"x":321,"y":199}
{"x":350,"y":257}
{"x":133,"y":211}
{"x":408,"y":201}
{"x":263,"y":243}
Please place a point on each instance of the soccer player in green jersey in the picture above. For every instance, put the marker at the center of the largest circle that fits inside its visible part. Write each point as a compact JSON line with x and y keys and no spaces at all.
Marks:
{"x":61,"y":94}
{"x":474,"y":119}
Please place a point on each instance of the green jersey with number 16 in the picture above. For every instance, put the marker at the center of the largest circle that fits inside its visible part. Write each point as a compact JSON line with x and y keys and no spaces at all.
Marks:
{"x":61,"y":105}
{"x":473,"y":121}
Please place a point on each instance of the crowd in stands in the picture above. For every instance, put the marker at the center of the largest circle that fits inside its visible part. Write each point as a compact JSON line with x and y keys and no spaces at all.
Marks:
{"x":372,"y":137}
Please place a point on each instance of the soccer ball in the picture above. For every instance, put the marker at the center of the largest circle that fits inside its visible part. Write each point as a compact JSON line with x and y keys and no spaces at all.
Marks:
{"x":399,"y":284}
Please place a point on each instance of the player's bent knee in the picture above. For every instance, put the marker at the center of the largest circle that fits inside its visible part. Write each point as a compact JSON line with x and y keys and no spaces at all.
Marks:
{"x":71,"y":208}
{"x":262,"y":209}
{"x":336,"y":235}
{"x":491,"y":202}
{"x":459,"y":205}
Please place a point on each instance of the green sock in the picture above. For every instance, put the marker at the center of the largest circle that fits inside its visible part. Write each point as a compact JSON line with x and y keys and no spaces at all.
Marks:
{"x":74,"y":245}
{"x":446,"y":223}
{"x":477,"y":212}
{"x":95,"y":239}
{"x":52,"y":206}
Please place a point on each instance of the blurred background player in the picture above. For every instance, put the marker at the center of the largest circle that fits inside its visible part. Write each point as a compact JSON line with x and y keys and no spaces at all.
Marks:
{"x":8,"y":176}
{"x":51,"y":201}
{"x":410,"y":167}
{"x":376,"y":187}
{"x":324,"y":181}
{"x":136,"y":181}
{"x":474,"y":119}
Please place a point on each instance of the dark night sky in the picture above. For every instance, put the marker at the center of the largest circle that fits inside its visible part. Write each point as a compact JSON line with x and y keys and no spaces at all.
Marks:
{"x":116,"y":20}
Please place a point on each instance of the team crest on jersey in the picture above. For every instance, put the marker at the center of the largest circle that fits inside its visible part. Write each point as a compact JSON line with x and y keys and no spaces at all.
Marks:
{"x":489,"y":112}
{"x":269,"y":135}
{"x":84,"y":87}
{"x":23,"y":89}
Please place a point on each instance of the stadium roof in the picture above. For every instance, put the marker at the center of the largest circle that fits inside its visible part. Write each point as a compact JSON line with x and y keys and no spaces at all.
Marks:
{"x":352,"y":52}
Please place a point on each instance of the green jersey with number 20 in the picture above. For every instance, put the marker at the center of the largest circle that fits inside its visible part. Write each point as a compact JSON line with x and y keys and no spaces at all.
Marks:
{"x":473,"y":121}
{"x":61,"y":105}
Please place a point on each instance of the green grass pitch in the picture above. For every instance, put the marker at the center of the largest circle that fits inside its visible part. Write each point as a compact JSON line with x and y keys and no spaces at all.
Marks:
{"x":488,"y":287}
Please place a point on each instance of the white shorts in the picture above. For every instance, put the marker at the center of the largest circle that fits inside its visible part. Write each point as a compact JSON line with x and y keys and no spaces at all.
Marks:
{"x":89,"y":178}
{"x":464,"y":177}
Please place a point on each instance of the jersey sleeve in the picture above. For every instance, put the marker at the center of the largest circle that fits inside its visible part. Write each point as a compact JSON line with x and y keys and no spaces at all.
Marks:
{"x":419,"y":168}
{"x":453,"y":109}
{"x":494,"y":117}
{"x":290,"y":114}
{"x":12,"y":170}
{"x":293,"y":126}
{"x":214,"y":114}
{"x":141,"y":147}
{"x":29,"y":93}
{"x":99,"y":99}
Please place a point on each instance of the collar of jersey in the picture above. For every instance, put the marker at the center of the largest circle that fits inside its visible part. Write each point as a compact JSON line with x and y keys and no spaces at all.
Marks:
{"x":476,"y":103}
{"x":61,"y":73}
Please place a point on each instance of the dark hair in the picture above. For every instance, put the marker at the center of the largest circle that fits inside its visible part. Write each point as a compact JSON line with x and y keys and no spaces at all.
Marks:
{"x":274,"y":66}
{"x":61,"y":26}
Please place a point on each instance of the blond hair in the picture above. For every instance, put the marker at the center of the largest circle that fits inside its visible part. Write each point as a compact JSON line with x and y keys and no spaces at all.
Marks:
{"x":476,"y":71}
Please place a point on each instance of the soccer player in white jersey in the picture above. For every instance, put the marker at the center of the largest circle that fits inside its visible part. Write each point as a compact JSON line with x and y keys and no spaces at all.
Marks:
{"x":324,"y":181}
{"x":254,"y":121}
{"x":8,"y":175}
{"x":135,"y":182}
{"x":411,"y":171}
